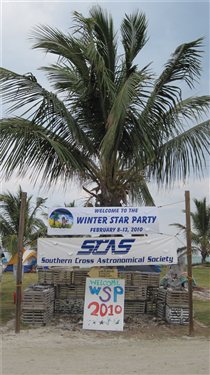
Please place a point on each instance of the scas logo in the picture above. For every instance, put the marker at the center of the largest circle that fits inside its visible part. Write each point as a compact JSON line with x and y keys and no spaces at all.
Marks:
{"x":103,"y":246}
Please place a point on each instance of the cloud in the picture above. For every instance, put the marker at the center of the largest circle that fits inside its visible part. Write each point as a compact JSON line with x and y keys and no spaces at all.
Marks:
{"x":167,"y":29}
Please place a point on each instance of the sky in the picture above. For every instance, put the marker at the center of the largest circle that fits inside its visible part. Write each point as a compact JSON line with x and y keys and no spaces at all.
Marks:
{"x":169,"y":25}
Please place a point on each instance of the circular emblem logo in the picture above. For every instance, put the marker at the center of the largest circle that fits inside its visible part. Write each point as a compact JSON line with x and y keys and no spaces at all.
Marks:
{"x":61,"y":218}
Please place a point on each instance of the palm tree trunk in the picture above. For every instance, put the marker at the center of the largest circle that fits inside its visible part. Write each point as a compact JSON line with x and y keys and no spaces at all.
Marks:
{"x":204,"y":254}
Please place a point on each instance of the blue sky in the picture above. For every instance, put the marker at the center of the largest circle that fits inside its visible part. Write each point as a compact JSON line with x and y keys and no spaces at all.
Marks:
{"x":169,"y":24}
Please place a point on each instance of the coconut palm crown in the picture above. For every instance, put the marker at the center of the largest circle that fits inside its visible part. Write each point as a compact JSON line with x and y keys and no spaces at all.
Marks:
{"x":200,"y":228}
{"x":34,"y":227}
{"x":107,"y":122}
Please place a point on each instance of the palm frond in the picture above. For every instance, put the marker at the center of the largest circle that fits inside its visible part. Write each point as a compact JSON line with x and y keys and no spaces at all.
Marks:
{"x":9,"y":220}
{"x":201,"y":217}
{"x":99,"y":69}
{"x":65,"y":79}
{"x":116,"y":119}
{"x":105,"y":38}
{"x":140,"y":193}
{"x":10,"y":243}
{"x":26,"y":147}
{"x":43,"y":107}
{"x":185,"y":152}
{"x":183,"y":250}
{"x":134,"y":36}
{"x":184,"y":65}
{"x":20,"y":90}
{"x":68,"y":49}
{"x":6,"y":226}
{"x":40,"y":204}
{"x":188,"y":110}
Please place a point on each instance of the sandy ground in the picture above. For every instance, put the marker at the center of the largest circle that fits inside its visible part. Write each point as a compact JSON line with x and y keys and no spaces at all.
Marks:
{"x":64,"y":348}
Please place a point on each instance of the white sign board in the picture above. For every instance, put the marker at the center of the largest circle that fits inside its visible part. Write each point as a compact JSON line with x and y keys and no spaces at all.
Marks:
{"x":97,"y":221}
{"x":104,"y":304}
{"x":103,"y":251}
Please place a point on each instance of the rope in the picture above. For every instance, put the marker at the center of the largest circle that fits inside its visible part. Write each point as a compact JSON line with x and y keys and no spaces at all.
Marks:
{"x":170,"y":204}
{"x":164,"y":234}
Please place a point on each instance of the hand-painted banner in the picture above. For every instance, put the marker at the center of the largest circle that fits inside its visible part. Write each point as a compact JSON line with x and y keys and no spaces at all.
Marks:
{"x":97,"y":221}
{"x":104,"y":304}
{"x":103,"y":251}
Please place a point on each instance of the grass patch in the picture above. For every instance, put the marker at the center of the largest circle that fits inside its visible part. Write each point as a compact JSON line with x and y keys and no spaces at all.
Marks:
{"x":201,"y":275}
{"x":202,"y":311}
{"x":8,"y":287}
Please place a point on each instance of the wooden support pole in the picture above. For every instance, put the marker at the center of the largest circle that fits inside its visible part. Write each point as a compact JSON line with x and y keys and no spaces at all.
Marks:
{"x":189,"y":260}
{"x":19,"y":263}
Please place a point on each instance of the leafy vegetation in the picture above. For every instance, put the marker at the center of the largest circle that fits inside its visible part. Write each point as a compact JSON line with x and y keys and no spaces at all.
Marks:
{"x":201,"y":229}
{"x":34,"y":227}
{"x":108,"y":122}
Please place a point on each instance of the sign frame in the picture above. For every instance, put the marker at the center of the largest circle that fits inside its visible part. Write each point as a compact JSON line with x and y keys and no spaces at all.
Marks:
{"x":95,"y":221}
{"x":108,"y":252}
{"x":104,"y":304}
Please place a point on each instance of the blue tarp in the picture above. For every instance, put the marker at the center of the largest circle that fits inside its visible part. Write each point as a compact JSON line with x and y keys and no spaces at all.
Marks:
{"x":26,"y":268}
{"x":146,"y":268}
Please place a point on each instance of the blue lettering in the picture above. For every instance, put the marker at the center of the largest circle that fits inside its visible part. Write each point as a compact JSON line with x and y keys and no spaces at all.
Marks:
{"x":87,"y":246}
{"x":107,"y":289}
{"x":91,"y":220}
{"x":80,"y":220}
{"x":94,"y":290}
{"x":96,"y":246}
{"x":125,"y":246}
{"x":111,"y":245}
{"x":118,"y":290}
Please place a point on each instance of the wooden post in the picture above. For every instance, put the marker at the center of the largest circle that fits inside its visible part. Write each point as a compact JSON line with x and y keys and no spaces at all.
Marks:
{"x":189,"y":260}
{"x":19,"y":263}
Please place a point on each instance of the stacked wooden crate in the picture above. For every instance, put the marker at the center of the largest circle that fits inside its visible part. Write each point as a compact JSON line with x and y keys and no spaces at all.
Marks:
{"x":70,"y":299}
{"x":172,"y":305}
{"x":79,"y":276}
{"x":62,"y":276}
{"x":140,"y":292}
{"x":127,"y":276}
{"x":151,"y":301}
{"x":135,"y":293}
{"x":38,"y":304}
{"x":147,"y":279}
{"x":70,"y":292}
{"x":54,"y":276}
{"x":177,"y":310}
{"x":69,"y":288}
{"x":45,"y":277}
{"x":161,"y":302}
{"x":135,"y":297}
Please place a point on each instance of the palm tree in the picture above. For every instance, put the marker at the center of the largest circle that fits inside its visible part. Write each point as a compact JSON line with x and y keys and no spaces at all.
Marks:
{"x":201,"y":228}
{"x":108,"y":123}
{"x":9,"y":221}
